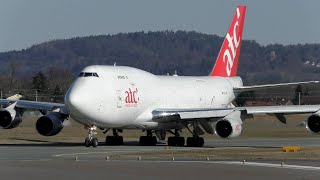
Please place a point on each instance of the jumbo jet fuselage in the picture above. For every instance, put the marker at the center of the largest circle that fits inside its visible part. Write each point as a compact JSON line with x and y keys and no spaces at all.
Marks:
{"x":125,"y":97}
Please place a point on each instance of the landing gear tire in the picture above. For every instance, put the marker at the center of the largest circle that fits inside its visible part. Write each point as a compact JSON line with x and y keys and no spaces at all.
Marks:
{"x":94,"y":142}
{"x":114,"y":140}
{"x":148,"y":140}
{"x":195,"y":141}
{"x":87,"y":142}
{"x":176,"y":141}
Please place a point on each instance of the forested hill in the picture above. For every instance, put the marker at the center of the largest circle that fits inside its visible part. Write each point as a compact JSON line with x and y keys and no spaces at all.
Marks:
{"x":190,"y":53}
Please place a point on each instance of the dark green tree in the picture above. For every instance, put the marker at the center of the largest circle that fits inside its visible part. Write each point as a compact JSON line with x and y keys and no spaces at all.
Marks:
{"x":40,"y":82}
{"x":297,"y":95}
{"x":57,"y":95}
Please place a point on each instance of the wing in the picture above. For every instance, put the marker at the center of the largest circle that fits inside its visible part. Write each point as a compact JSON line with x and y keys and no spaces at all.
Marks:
{"x":167,"y":115}
{"x":34,"y":105}
{"x":268,"y":86}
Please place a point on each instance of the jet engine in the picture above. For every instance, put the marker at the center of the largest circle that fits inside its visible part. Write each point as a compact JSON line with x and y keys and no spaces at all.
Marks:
{"x":9,"y":118}
{"x":313,"y":123}
{"x":51,"y":124}
{"x":228,"y":128}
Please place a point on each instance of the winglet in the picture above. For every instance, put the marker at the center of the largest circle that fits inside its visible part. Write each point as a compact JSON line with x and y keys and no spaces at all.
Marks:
{"x":227,"y":62}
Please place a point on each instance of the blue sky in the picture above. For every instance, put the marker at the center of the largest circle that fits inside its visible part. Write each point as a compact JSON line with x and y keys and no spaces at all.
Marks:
{"x":28,"y":22}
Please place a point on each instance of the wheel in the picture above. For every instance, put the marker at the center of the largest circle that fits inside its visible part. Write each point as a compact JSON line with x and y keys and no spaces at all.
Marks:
{"x":109,"y":140}
{"x":190,"y":142}
{"x":180,"y":141}
{"x":114,"y":140}
{"x":176,"y":141}
{"x":195,"y":141}
{"x":201,"y":142}
{"x":142,"y":140}
{"x":119,"y":140}
{"x":94,"y":142}
{"x":198,"y":141}
{"x":171,"y":141}
{"x":148,"y":140}
{"x":153,"y":141}
{"x":87,"y":142}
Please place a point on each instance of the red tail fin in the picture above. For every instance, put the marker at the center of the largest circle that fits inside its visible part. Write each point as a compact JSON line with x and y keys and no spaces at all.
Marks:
{"x":227,"y":61}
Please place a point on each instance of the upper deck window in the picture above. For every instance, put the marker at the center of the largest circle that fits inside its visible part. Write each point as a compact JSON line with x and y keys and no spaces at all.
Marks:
{"x":88,"y":74}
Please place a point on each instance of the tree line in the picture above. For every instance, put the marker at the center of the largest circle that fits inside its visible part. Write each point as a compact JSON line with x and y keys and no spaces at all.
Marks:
{"x":187,"y":53}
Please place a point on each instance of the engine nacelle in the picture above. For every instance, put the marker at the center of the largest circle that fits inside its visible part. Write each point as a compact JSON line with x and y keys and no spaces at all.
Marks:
{"x":225,"y":128}
{"x":9,"y":118}
{"x":51,"y":124}
{"x":313,"y":123}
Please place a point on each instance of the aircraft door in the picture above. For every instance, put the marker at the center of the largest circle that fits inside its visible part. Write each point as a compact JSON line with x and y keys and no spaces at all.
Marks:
{"x":212,"y":101}
{"x":118,"y":99}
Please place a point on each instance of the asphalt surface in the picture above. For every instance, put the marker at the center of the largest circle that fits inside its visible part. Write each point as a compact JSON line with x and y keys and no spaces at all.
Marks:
{"x":145,"y":170}
{"x":47,"y":150}
{"x":60,"y":160}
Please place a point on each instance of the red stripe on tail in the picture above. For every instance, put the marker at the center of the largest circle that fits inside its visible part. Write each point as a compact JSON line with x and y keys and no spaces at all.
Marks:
{"x":228,"y":58}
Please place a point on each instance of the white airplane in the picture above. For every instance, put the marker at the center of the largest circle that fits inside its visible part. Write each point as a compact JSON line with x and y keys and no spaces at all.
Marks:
{"x":117,"y":98}
{"x":15,"y":97}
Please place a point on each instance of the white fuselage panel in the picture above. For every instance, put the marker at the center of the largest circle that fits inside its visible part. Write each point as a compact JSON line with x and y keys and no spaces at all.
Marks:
{"x":124,"y":97}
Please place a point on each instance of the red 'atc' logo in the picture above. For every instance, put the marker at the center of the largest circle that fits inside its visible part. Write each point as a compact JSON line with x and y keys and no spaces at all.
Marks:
{"x":132,"y":97}
{"x":238,"y":127}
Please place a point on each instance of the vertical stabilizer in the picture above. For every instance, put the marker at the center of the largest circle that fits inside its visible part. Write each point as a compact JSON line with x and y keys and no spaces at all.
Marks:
{"x":227,"y":61}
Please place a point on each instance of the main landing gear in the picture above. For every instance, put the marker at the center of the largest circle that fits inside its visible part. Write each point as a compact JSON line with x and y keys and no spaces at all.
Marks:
{"x":195,"y":141}
{"x":148,"y":140}
{"x":91,"y":140}
{"x":176,"y":140}
{"x":115,"y":139}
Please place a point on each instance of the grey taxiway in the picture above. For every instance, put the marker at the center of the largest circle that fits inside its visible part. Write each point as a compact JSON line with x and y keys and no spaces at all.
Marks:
{"x":72,"y":160}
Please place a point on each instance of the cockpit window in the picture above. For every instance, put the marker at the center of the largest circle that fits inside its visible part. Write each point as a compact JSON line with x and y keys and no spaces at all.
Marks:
{"x":88,"y":74}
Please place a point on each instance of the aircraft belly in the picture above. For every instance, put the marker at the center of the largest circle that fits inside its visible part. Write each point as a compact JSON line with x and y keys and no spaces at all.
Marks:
{"x":154,"y":126}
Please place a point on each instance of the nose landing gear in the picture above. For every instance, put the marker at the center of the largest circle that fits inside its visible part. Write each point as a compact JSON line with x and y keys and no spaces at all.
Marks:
{"x":91,"y":140}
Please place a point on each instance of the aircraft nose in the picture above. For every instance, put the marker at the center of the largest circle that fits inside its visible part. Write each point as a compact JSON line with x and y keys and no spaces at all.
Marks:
{"x":73,"y":99}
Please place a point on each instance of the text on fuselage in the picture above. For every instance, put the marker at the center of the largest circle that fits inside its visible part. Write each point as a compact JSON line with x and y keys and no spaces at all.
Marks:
{"x":132,"y":98}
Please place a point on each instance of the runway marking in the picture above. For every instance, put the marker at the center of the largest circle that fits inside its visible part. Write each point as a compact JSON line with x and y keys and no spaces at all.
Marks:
{"x":287,"y":166}
{"x":112,"y":151}
{"x":29,"y":160}
{"x":73,"y":154}
{"x":88,"y":153}
{"x":256,"y":164}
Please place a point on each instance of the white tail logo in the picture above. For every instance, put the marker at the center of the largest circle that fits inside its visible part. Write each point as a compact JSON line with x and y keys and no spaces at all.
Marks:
{"x":233,"y":44}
